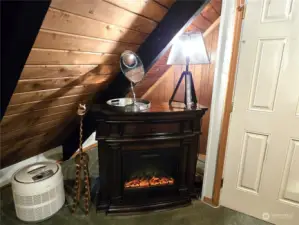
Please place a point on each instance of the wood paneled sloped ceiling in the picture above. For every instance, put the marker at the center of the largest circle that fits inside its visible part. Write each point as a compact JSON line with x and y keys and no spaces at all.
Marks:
{"x":75,"y":55}
{"x":202,"y":22}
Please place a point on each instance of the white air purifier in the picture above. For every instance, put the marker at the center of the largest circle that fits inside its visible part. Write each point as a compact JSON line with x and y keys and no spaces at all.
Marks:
{"x":38,"y":191}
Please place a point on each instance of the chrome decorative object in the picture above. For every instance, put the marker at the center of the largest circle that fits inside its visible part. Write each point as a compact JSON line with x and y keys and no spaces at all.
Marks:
{"x":133,"y":69}
{"x":128,"y":104}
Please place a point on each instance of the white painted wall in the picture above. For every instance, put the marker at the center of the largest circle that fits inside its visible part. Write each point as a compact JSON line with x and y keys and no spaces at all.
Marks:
{"x":90,"y":140}
{"x":226,"y":33}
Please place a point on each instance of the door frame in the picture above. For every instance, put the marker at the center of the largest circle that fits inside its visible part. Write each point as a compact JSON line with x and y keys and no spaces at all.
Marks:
{"x":228,"y":104}
{"x":240,"y":12}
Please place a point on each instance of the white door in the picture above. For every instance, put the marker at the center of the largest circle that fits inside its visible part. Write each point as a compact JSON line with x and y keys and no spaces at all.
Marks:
{"x":261,"y":173}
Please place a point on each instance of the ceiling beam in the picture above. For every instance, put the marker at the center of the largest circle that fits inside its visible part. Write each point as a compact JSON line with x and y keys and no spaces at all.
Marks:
{"x":178,"y":18}
{"x":20,"y":23}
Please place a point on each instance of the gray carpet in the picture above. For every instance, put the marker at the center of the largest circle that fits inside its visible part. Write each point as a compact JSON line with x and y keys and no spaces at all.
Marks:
{"x":196,"y":214}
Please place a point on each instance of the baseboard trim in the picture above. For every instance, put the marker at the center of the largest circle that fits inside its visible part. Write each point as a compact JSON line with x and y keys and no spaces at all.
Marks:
{"x":86,"y":149}
{"x":209,"y":201}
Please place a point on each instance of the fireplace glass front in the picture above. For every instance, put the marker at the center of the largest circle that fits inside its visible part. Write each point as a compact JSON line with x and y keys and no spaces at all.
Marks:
{"x":150,"y":169}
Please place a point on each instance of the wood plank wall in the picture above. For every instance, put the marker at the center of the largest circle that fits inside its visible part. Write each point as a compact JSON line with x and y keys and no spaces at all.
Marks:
{"x":160,"y":81}
{"x":203,"y":76}
{"x":202,"y":22}
{"x":74,"y":55}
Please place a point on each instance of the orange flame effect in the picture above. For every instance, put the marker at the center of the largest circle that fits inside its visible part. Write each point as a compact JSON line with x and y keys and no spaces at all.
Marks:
{"x":144,"y":182}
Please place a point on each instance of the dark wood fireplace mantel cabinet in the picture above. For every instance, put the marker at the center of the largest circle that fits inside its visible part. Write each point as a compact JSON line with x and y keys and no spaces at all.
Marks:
{"x":147,"y":160}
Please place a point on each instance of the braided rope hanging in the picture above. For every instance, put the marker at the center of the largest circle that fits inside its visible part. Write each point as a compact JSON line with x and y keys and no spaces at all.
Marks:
{"x":81,"y":161}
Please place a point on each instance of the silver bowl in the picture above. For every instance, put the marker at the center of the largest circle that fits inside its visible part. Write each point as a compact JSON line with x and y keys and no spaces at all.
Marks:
{"x":128,"y":104}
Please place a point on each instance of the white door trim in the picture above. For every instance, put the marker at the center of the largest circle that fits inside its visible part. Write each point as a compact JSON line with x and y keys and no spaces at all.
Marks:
{"x":224,"y":51}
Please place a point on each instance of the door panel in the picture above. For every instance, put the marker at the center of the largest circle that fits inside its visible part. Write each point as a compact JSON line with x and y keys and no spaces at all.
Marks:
{"x":277,"y":10}
{"x":261,"y":175}
{"x":266,"y":73}
{"x":252,"y":158}
{"x":289,"y":189}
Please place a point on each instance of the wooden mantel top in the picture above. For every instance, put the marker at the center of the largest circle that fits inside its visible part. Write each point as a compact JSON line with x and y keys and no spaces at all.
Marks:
{"x":162,"y":107}
{"x":175,"y":107}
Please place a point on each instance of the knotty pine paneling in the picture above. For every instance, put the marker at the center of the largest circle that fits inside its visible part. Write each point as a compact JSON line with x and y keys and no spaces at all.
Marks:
{"x":39,"y":109}
{"x":203,"y":76}
{"x":13,"y":146}
{"x":203,"y":22}
{"x":51,"y":105}
{"x":31,"y":145}
{"x":54,"y":71}
{"x":210,"y":13}
{"x":61,"y":21}
{"x":30,"y":131}
{"x":106,"y":12}
{"x":45,"y":95}
{"x":75,"y":54}
{"x":166,"y":3}
{"x":153,"y":10}
{"x":48,"y":83}
{"x":159,"y":85}
{"x":217,"y":5}
{"x":20,"y":121}
{"x":63,"y":41}
{"x":154,"y":74}
{"x":42,"y":56}
{"x":58,"y":71}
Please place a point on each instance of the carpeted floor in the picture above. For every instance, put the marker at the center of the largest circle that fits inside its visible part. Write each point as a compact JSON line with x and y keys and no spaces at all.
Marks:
{"x":196,"y":214}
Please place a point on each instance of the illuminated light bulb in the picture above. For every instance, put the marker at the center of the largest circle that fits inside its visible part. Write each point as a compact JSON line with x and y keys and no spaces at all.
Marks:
{"x":188,"y":48}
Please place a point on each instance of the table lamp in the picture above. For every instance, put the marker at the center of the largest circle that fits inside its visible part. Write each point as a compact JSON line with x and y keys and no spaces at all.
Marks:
{"x":188,"y":49}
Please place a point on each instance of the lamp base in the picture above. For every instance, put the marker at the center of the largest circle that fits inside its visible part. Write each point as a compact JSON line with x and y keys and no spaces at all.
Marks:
{"x":190,"y":99}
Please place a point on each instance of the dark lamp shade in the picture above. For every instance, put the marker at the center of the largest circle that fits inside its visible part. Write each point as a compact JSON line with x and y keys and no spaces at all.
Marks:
{"x":190,"y":45}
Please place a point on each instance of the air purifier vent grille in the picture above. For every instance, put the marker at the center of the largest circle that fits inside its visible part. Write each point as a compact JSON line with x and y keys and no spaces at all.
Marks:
{"x":35,"y":201}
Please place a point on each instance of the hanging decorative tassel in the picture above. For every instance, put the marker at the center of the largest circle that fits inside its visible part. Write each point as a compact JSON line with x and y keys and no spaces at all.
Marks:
{"x":81,"y":160}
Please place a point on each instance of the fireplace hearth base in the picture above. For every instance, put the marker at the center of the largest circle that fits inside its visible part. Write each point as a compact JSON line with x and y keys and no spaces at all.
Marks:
{"x":151,"y":206}
{"x":147,"y":160}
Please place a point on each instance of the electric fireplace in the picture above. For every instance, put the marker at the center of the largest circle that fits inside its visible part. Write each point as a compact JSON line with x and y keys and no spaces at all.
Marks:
{"x":147,"y":160}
